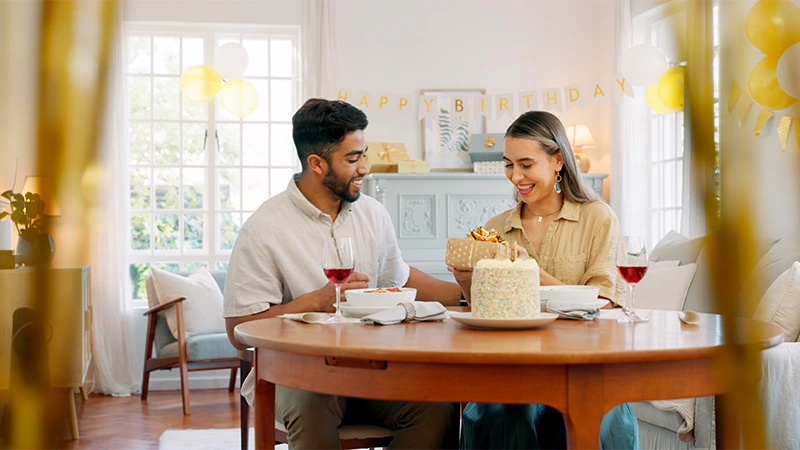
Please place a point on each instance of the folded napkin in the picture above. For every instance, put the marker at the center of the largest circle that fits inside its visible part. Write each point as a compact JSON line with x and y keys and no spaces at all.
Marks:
{"x":309,"y":317}
{"x":575,"y":313}
{"x":408,"y":312}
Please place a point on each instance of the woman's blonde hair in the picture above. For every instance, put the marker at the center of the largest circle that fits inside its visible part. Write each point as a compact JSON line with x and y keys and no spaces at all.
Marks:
{"x":547,"y":130}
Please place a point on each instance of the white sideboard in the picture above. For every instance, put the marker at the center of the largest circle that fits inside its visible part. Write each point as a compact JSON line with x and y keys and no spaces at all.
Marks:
{"x":427,"y":209}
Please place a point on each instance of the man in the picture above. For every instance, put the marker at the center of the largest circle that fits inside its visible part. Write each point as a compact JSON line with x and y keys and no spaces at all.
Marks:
{"x":276,"y":268}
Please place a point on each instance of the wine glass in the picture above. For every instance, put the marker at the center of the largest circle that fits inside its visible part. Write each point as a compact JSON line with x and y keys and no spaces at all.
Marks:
{"x":338,"y":262}
{"x":631,"y":265}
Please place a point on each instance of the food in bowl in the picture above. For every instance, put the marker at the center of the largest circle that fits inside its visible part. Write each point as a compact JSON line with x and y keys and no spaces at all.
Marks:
{"x":380,"y":296}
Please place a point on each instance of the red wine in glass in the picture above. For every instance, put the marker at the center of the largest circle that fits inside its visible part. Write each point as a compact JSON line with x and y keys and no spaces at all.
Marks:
{"x":338,"y":276}
{"x":632,"y":274}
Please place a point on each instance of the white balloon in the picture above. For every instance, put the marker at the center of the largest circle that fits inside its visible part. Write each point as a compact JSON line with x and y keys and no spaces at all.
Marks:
{"x":789,"y":71}
{"x":643,"y":65}
{"x":231,"y":60}
{"x":672,"y":37}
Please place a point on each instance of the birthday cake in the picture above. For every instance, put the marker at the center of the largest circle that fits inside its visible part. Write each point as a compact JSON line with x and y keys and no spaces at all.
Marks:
{"x":505,"y":289}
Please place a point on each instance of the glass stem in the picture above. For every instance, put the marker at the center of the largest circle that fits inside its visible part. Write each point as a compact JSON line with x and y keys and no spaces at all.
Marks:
{"x":338,"y":310}
{"x":630,"y":308}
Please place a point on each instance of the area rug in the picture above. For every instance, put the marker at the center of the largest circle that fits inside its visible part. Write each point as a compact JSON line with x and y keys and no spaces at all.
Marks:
{"x":210,"y":439}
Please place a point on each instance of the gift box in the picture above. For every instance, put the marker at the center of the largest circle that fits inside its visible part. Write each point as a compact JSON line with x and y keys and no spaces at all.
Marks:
{"x":480,"y":243}
{"x":414,"y":166}
{"x":486,"y":147}
{"x":489,"y":167}
{"x":383,"y":156}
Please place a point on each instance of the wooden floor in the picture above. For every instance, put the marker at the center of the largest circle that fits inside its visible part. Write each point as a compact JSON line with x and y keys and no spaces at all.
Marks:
{"x":129,"y":423}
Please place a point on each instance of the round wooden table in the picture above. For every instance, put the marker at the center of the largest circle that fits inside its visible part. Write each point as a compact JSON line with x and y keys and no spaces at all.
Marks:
{"x":581,"y":368}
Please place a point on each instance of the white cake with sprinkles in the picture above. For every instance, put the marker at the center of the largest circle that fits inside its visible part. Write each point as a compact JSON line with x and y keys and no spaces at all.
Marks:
{"x":502,"y":289}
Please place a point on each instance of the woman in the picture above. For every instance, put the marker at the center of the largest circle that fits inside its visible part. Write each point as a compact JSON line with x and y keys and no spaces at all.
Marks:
{"x":572,"y":235}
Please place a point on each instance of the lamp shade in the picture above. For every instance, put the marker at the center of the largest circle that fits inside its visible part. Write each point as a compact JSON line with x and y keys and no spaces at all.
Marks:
{"x":44,"y":187}
{"x":579,"y":136}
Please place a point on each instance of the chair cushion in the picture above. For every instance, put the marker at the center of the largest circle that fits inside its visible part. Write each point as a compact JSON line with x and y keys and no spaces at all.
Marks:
{"x":781,"y":303}
{"x":202,"y":309}
{"x":162,"y":336}
{"x":203,"y":347}
{"x":776,"y":261}
{"x":646,"y":412}
{"x":352,"y":431}
{"x":664,"y":288}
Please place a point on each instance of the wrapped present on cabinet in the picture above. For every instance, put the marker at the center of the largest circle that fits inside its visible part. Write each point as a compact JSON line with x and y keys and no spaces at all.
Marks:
{"x":414,"y":166}
{"x":384,"y":156}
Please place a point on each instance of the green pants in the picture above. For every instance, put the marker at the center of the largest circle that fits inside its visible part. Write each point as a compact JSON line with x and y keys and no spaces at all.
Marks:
{"x":312,"y":420}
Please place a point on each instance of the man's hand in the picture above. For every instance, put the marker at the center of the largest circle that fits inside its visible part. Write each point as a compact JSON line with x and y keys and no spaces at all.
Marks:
{"x":326,"y":297}
{"x":464,"y":280}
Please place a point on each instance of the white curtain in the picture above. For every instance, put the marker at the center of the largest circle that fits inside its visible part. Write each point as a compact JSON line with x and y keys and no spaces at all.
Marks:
{"x":116,"y":370}
{"x":319,"y":49}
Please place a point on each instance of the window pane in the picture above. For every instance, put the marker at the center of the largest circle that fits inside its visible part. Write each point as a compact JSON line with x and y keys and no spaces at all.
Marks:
{"x":262,"y":109}
{"x":166,"y":56}
{"x":166,"y":139}
{"x":255,"y":145}
{"x":140,"y":231}
{"x":229,"y":144}
{"x":168,"y":266}
{"x":258,"y":57}
{"x":281,"y":58}
{"x":192,"y":53}
{"x":656,"y":186}
{"x":139,"y":274}
{"x":193,"y":151}
{"x":193,"y":227}
{"x":229,"y":224}
{"x":139,"y":134}
{"x":166,"y":98}
{"x":228,"y":186}
{"x":166,"y":186}
{"x":281,"y":101}
{"x":191,"y":266}
{"x":256,"y":188}
{"x":167,"y":232}
{"x":194,"y":111}
{"x":140,"y":189}
{"x":669,"y":185}
{"x":194,"y":188}
{"x":221,"y":265}
{"x":139,"y":97}
{"x":279,"y":179}
{"x":139,"y":54}
{"x":282,"y":150}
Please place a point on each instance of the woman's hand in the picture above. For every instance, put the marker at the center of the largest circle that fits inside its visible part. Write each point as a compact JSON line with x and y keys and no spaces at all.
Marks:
{"x":464,"y":280}
{"x":521,"y":252}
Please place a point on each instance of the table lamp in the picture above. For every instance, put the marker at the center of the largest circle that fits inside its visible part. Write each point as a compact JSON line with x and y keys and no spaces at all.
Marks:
{"x":580,"y":138}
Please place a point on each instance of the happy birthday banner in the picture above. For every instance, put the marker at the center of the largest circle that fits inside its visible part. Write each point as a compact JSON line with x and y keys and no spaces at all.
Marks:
{"x":741,"y":102}
{"x":492,"y":106}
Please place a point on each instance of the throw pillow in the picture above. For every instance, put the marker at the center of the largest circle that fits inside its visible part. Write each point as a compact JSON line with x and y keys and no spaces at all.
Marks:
{"x":662,"y":264}
{"x":676,"y":246}
{"x":776,"y":261}
{"x":202,"y":309}
{"x":781,"y":303}
{"x":664,"y":288}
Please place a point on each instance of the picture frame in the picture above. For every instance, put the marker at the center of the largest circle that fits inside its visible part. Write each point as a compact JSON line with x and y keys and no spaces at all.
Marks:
{"x":445,"y":139}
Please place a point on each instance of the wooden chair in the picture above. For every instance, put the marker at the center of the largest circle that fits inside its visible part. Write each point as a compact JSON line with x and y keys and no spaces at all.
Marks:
{"x":199,"y":352}
{"x":350,"y":435}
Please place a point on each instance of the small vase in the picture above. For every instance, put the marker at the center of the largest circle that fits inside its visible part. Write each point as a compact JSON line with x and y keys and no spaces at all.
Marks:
{"x":38,"y":253}
{"x":24,"y":254}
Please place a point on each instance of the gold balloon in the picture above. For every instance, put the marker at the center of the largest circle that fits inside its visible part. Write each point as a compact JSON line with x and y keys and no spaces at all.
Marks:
{"x":772,"y":26}
{"x":239,"y":97}
{"x":200,"y":83}
{"x":764,"y":87}
{"x":670,"y":88}
{"x":655,"y":102}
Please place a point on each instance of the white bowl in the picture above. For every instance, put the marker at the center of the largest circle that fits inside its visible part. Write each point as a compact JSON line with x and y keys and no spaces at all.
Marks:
{"x":569,"y":294}
{"x":362,"y":297}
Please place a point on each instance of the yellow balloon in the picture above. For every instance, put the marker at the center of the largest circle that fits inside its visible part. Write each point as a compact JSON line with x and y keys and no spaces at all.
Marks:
{"x":200,"y":83}
{"x":764,"y":87}
{"x":771,"y":26}
{"x":239,"y":97}
{"x":655,"y":102}
{"x":670,"y":88}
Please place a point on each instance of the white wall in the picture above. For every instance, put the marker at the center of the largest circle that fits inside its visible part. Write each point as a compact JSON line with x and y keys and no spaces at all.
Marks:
{"x":770,"y":173}
{"x":502,"y":46}
{"x":276,"y":12}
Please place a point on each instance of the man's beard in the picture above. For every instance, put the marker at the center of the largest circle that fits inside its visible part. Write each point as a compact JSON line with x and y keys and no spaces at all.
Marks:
{"x":340,"y":187}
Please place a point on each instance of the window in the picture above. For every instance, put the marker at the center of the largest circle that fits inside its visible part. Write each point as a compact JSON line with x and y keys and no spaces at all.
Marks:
{"x":197,"y":172}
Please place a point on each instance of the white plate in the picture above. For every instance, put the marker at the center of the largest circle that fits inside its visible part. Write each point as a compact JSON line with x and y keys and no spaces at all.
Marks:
{"x":502,"y":324}
{"x":567,"y":305}
{"x":361,"y":311}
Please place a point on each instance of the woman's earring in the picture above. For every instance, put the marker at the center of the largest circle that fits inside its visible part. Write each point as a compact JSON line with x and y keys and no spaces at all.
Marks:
{"x":558,"y":183}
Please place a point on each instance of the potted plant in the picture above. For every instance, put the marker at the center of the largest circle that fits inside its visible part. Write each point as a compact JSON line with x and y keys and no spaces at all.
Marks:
{"x":34,"y":246}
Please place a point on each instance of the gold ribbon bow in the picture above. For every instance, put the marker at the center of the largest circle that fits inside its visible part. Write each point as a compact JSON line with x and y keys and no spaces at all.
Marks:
{"x":384,"y":154}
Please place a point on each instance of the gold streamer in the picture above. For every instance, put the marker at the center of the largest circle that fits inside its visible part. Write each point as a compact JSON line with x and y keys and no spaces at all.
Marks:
{"x":744,"y":107}
{"x":733,"y":97}
{"x":784,"y":124}
{"x":763,"y":117}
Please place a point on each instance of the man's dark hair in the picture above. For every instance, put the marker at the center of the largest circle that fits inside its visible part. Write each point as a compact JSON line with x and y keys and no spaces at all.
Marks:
{"x":321,"y":124}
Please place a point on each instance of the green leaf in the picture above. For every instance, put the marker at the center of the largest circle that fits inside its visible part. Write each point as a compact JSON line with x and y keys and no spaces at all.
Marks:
{"x":3,"y":215}
{"x":28,"y":196}
{"x":19,"y":198}
{"x":7,"y":194}
{"x":18,"y":216}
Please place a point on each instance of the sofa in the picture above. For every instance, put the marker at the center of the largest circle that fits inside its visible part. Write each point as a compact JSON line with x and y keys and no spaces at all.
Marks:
{"x":679,"y":280}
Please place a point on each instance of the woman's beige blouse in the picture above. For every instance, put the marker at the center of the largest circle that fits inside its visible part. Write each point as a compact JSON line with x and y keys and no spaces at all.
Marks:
{"x":579,"y":246}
